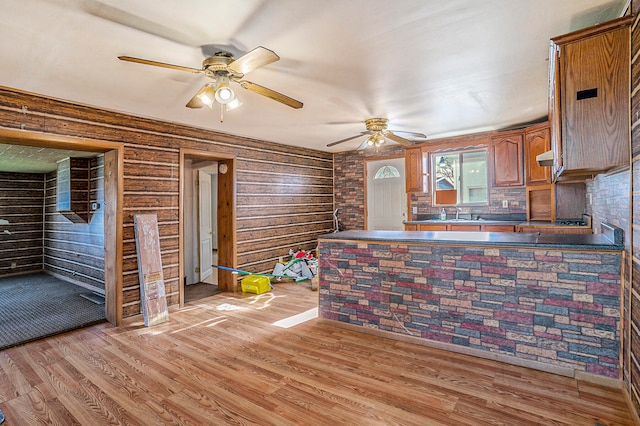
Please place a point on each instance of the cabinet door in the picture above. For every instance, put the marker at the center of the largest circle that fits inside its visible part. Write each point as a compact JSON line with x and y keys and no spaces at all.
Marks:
{"x":507,"y":160}
{"x":594,"y":89}
{"x":414,"y":170}
{"x":410,"y":227}
{"x":423,"y":227}
{"x":463,"y":227}
{"x":499,"y":228}
{"x":536,"y":141}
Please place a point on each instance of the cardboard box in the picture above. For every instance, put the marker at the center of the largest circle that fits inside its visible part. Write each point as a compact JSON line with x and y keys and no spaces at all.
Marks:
{"x":255,"y":284}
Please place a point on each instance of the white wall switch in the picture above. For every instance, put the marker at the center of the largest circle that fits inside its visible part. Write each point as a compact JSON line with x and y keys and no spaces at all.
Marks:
{"x":505,"y":204}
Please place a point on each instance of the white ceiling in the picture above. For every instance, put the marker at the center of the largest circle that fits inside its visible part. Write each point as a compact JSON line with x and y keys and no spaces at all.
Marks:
{"x":431,"y":66}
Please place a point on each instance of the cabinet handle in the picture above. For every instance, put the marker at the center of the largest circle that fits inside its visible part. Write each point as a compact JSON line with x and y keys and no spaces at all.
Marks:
{"x":587,"y":94}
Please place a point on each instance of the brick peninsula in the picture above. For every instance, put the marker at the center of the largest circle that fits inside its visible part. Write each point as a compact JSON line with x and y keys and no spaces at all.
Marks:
{"x":550,"y":302}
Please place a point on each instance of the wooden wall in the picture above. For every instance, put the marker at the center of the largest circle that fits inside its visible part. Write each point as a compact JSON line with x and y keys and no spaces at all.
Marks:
{"x":631,"y":292}
{"x":21,"y":201}
{"x":284,"y":196}
{"x":75,"y":251}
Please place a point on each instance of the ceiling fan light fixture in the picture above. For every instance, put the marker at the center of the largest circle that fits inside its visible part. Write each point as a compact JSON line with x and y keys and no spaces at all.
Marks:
{"x":207,"y":96}
{"x":371,"y":140}
{"x":233,"y":104}
{"x":224,"y":95}
{"x":379,"y":139}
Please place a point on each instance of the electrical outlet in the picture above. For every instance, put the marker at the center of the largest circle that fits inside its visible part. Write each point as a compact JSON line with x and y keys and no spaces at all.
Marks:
{"x":589,"y":199}
{"x":414,"y":210}
{"x":505,"y":204}
{"x":13,"y":265}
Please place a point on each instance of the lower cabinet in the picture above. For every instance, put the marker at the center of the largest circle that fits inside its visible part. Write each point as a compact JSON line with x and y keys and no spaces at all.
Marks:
{"x":499,"y":228}
{"x":463,"y":227}
{"x":555,"y":229}
{"x":459,"y":227}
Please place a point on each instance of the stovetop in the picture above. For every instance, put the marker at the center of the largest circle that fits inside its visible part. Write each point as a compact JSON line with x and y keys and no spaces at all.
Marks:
{"x":584,"y":221}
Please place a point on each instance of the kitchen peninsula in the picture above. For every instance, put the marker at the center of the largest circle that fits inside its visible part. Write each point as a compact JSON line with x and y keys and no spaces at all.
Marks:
{"x":550,"y":302}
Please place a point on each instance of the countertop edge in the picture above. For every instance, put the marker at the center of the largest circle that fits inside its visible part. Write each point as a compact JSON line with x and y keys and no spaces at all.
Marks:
{"x":520,"y":239}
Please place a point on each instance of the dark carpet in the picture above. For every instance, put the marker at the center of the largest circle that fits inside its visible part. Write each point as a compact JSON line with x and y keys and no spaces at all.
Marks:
{"x":38,"y":305}
{"x":199,"y":291}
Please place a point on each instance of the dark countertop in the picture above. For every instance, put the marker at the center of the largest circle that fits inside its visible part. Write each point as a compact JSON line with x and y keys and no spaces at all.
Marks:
{"x":484,"y":222}
{"x":516,"y":239}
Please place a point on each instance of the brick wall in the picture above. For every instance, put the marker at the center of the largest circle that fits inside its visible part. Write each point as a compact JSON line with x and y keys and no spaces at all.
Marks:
{"x":555,"y":307}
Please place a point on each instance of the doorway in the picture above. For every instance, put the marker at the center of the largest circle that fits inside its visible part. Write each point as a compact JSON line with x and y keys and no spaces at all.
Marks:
{"x":110,"y":208}
{"x":386,"y":195}
{"x":207,"y":223}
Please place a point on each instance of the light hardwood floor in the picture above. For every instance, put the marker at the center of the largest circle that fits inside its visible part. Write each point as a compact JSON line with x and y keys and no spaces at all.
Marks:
{"x":221,"y":361}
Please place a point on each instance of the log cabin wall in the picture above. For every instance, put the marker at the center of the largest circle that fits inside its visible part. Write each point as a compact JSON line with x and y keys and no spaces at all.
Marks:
{"x":75,"y":251}
{"x":21,"y":202}
{"x":284,"y":194}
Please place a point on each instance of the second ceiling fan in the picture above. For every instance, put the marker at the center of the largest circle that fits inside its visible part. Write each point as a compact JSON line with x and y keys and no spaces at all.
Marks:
{"x":224,"y":69}
{"x":378,"y":133}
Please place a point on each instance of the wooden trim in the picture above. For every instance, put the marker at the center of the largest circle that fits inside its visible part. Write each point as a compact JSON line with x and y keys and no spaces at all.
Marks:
{"x":593,"y":30}
{"x":113,"y":221}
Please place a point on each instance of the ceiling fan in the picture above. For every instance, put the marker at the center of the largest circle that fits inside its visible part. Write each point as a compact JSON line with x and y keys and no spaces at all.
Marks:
{"x":223,"y":69}
{"x":378,"y":133}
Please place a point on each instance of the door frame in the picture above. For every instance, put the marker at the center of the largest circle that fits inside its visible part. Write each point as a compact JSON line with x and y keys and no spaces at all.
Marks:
{"x":227,"y":248}
{"x":113,"y":203}
{"x":366,"y":200}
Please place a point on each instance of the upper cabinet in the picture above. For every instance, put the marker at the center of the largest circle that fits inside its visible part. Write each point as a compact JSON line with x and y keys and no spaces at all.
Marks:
{"x":507,"y":154}
{"x":415,"y":170}
{"x":536,"y":141}
{"x":589,"y":99}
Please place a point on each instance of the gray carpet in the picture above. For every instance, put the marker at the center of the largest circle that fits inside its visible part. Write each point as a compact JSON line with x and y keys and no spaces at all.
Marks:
{"x":38,"y":305}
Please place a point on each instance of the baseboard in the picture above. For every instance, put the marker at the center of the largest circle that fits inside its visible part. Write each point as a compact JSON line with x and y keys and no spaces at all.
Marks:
{"x":75,"y":282}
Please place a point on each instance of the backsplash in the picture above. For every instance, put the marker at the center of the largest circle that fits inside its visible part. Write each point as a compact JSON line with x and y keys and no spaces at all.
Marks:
{"x":516,"y":197}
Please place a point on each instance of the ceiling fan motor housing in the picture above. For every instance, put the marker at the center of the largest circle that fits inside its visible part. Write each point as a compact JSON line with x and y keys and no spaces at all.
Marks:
{"x":376,"y":124}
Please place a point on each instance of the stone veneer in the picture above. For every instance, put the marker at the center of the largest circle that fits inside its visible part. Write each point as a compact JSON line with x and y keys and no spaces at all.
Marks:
{"x":557,"y":307}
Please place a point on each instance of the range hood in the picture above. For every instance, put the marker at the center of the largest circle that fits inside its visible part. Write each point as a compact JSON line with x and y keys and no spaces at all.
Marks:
{"x":545,"y":159}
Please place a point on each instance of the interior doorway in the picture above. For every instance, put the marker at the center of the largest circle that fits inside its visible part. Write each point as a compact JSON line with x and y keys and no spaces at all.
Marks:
{"x":386,"y":195}
{"x":207,"y":216}
{"x":111,"y":206}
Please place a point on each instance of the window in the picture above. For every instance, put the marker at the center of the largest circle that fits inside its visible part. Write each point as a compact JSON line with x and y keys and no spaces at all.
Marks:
{"x":386,"y":172}
{"x":460,"y":177}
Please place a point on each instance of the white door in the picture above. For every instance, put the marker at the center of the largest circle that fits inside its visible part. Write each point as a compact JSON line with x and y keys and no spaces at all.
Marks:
{"x":386,"y":196}
{"x":205,"y":246}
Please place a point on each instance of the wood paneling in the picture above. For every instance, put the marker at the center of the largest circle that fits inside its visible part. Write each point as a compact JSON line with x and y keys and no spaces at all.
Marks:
{"x":21,"y":202}
{"x":270,"y":181}
{"x":75,"y":249}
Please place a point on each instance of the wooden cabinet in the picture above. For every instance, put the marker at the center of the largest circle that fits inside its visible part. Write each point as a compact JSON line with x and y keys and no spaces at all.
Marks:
{"x":463,"y":227}
{"x":432,"y":227}
{"x":459,"y":227}
{"x":537,"y":140}
{"x":415,"y":170}
{"x":555,"y":229}
{"x":499,"y":228}
{"x":589,"y":98}
{"x":507,"y":154}
{"x":541,"y":202}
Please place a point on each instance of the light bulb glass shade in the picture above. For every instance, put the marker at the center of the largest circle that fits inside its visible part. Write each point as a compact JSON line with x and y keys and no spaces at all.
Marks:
{"x":207,"y":96}
{"x":371,"y":140}
{"x":224,"y":95}
{"x":233,"y":104}
{"x":379,"y":139}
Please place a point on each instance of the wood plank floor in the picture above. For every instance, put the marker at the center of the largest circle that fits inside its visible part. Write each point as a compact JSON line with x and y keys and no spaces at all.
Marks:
{"x":221,"y":361}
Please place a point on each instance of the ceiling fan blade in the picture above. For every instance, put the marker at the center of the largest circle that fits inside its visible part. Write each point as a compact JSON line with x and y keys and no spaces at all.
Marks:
{"x":345,"y":140}
{"x":272,"y":94}
{"x":397,"y":139}
{"x":411,"y":134}
{"x":258,"y":57}
{"x":159,"y":64}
